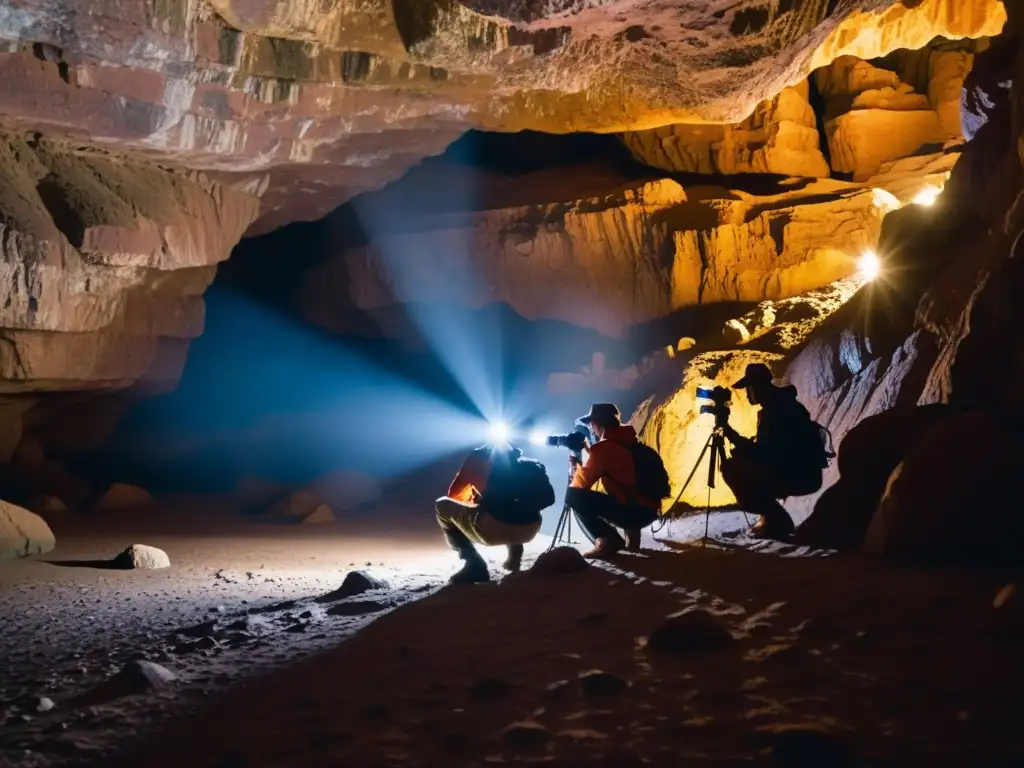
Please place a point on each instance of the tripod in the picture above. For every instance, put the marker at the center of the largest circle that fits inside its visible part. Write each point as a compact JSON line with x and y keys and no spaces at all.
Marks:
{"x":563,"y":530}
{"x":716,"y":444}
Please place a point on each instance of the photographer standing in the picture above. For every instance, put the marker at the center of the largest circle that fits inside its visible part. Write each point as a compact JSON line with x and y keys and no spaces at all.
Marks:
{"x":633,"y":489}
{"x":785,"y":458}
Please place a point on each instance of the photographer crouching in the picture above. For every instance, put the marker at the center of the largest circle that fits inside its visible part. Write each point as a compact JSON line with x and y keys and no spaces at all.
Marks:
{"x":632,"y":476}
{"x":785,"y":458}
{"x":495,"y":499}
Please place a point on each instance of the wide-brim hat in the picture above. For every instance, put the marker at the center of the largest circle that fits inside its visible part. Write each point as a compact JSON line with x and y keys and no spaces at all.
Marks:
{"x":600,"y":412}
{"x":755,"y":373}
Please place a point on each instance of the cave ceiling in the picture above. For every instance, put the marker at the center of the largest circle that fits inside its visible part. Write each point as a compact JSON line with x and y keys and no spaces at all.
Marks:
{"x":305,"y":103}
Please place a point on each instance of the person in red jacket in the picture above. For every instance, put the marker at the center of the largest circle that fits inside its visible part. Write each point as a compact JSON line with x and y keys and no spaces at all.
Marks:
{"x":621,"y":505}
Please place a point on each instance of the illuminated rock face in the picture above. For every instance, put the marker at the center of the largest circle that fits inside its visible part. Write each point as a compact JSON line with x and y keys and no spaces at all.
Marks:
{"x":610,"y":261}
{"x":949,"y":333}
{"x":781,"y":137}
{"x":105,"y":263}
{"x":875,"y":115}
{"x":307,"y":103}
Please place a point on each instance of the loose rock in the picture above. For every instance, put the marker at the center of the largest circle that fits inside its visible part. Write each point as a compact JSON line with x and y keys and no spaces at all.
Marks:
{"x":597,"y":682}
{"x":689,"y":631}
{"x":806,"y":744}
{"x":525,"y":734}
{"x":354,"y":583}
{"x":558,"y":561}
{"x":322,"y":514}
{"x":23,"y":533}
{"x":141,"y":557}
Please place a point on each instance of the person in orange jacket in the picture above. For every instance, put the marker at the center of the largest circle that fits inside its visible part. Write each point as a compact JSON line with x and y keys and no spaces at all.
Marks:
{"x":622,"y":504}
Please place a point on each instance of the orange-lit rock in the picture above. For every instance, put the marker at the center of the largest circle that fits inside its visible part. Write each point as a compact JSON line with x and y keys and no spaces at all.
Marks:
{"x":781,"y":136}
{"x":877,"y":115}
{"x":646,"y":249}
{"x":307,"y":104}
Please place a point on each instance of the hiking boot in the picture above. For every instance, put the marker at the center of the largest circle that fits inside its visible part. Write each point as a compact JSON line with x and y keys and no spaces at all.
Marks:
{"x":779,"y":529}
{"x":633,"y":539}
{"x":604,"y":549}
{"x":514,"y":559}
{"x":473,"y":572}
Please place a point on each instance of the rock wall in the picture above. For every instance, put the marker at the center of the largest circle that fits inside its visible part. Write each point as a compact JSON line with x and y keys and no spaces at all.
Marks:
{"x":780,"y":136}
{"x":950,"y":332}
{"x":608,"y":261}
{"x":872,"y":113}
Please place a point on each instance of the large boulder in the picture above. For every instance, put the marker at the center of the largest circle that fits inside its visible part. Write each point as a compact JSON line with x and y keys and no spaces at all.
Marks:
{"x":345,"y":489}
{"x":23,"y":533}
{"x":121,"y":497}
{"x":867,"y":457}
{"x":955,"y":497}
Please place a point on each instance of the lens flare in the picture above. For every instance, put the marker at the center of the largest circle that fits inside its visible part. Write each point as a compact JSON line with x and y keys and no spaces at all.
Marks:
{"x":927,"y":196}
{"x":499,"y":432}
{"x":869,"y":265}
{"x":538,"y":437}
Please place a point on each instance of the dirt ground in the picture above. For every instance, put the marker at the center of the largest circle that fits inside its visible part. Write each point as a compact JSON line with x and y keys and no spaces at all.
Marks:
{"x":833,"y":660}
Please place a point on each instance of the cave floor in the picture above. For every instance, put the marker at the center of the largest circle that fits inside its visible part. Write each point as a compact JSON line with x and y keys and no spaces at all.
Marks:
{"x":832,"y":655}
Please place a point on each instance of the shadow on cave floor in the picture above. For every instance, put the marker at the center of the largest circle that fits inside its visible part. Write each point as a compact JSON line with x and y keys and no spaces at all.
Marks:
{"x":107,"y":565}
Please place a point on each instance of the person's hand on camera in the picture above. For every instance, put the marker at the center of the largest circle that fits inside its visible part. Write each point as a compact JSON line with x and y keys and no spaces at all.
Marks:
{"x":574,"y":463}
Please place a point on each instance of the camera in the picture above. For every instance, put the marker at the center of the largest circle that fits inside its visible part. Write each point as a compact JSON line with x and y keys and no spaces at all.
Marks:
{"x":720,"y":398}
{"x":574,"y":441}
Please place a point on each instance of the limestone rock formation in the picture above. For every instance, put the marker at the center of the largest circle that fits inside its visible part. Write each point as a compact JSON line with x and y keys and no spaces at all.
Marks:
{"x":780,"y":136}
{"x":106,"y":262}
{"x":306,"y":103}
{"x":877,"y":114}
{"x":949,"y":330}
{"x":647,"y":249}
{"x":23,"y":533}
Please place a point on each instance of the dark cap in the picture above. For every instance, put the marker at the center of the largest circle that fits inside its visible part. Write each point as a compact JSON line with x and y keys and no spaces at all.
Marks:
{"x":756,"y":373}
{"x":602,"y":413}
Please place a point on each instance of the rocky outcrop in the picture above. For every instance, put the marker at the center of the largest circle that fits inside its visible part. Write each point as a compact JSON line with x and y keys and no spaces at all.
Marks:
{"x":878,"y":114}
{"x":646,"y":249}
{"x":105,"y":263}
{"x":780,"y":136}
{"x":951,"y":497}
{"x":307,"y":104}
{"x":949,"y":332}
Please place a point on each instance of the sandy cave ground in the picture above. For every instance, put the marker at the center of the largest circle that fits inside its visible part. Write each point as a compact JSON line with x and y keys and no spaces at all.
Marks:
{"x":833,"y":656}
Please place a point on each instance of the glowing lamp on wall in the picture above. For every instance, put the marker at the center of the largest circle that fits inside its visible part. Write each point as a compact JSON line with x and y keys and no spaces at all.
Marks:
{"x":869,"y":265}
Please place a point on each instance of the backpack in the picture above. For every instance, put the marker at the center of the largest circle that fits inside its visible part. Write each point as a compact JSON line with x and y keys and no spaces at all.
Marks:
{"x":518,"y":492}
{"x":812,"y":444}
{"x":651,"y":476}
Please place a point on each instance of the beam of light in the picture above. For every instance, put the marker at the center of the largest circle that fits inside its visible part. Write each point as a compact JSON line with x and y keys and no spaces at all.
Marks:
{"x":869,"y":266}
{"x":434,"y":280}
{"x":538,"y":437}
{"x":304,"y":403}
{"x":927,"y":196}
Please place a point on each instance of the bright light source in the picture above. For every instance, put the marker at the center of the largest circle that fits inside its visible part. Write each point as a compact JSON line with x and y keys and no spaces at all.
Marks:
{"x":869,"y":265}
{"x":927,"y":196}
{"x":499,"y":432}
{"x":884,"y":199}
{"x":538,"y":437}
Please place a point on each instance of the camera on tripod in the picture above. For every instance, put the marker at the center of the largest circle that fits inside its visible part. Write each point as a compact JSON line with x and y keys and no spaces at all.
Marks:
{"x":575,"y":441}
{"x":720,"y":398}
